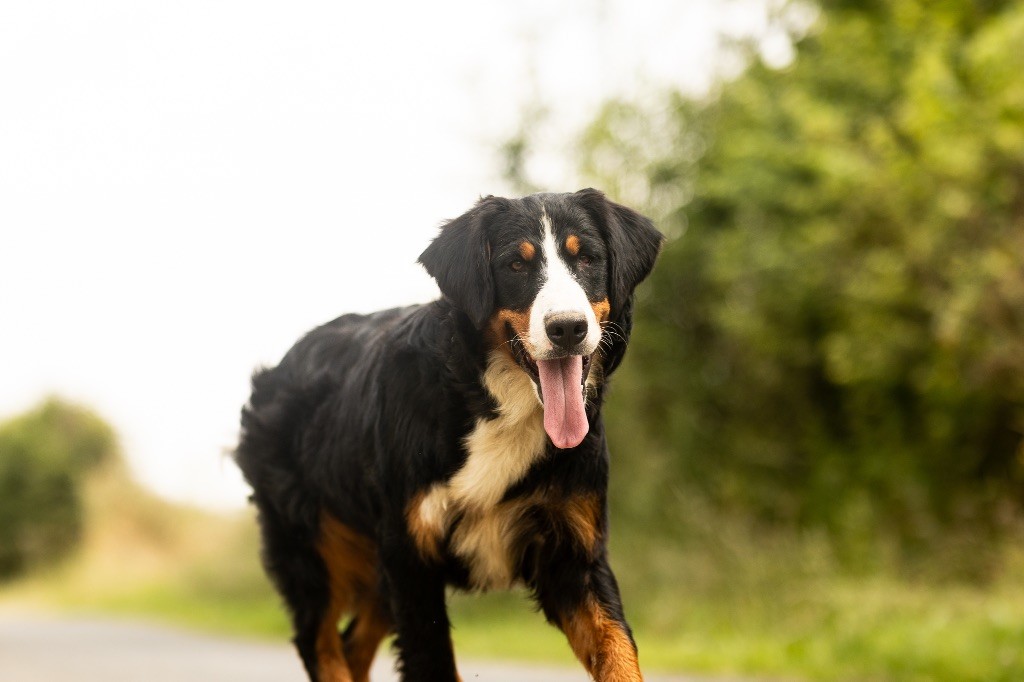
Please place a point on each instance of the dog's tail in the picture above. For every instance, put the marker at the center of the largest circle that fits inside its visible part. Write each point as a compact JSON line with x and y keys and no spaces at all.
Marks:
{"x":272,"y":423}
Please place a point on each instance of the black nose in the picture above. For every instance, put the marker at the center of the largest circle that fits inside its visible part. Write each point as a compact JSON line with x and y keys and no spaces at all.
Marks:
{"x":566,"y":330}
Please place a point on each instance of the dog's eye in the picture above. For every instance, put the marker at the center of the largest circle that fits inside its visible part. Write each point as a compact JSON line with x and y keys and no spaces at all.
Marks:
{"x":517,"y":266}
{"x":584,"y":260}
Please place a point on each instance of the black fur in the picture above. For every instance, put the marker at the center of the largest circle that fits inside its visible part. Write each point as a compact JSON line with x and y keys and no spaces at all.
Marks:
{"x":367,"y":411}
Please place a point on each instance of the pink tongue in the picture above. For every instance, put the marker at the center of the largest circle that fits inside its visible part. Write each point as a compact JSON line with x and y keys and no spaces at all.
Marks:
{"x":565,"y":418}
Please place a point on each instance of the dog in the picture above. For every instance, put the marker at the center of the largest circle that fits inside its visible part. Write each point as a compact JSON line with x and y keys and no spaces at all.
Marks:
{"x":456,"y":443}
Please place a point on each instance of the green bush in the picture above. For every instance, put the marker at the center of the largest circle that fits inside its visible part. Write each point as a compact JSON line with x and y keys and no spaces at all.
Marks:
{"x":43,"y":457}
{"x":834,"y":335}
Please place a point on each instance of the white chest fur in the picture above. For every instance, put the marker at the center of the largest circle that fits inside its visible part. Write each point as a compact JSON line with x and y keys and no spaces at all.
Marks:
{"x":500,"y":452}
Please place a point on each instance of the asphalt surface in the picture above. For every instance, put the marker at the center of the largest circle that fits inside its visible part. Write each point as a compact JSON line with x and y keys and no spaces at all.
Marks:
{"x":36,"y":648}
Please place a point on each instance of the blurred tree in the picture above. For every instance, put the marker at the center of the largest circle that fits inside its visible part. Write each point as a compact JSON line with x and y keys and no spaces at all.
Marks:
{"x":43,"y":457}
{"x":834,"y":336}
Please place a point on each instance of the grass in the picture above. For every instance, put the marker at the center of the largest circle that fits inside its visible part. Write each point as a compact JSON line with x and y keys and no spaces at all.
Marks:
{"x":860,"y":630}
{"x":749,"y":606}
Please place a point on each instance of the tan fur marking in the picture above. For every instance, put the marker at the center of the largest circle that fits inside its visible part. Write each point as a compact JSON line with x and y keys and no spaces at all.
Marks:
{"x":527,"y":250}
{"x":361,"y":646}
{"x":351,"y":561}
{"x":489,"y":540}
{"x":572,"y":244}
{"x":602,"y":645}
{"x":497,"y":334}
{"x":602,"y":309}
{"x":582,"y":514}
{"x":332,"y":666}
{"x":425,"y":518}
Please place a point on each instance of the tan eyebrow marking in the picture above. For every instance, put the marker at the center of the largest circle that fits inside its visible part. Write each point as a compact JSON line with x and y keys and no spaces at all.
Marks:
{"x":527,"y":250}
{"x":572,"y":244}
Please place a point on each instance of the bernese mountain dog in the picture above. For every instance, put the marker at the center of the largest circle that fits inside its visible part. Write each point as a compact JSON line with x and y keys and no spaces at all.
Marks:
{"x":456,"y":443}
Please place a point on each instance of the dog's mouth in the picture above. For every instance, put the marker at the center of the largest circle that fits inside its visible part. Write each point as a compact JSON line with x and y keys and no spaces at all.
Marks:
{"x":562,"y":382}
{"x":529,"y":365}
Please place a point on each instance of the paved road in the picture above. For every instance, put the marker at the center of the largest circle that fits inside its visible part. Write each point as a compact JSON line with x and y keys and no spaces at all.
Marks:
{"x":37,"y":648}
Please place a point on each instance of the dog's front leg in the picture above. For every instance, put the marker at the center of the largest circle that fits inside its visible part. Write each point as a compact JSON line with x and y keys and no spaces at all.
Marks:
{"x":416,"y":593}
{"x":581,"y":597}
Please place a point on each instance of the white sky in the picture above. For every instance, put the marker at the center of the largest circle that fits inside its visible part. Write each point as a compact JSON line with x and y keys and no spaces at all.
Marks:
{"x":186,"y":187}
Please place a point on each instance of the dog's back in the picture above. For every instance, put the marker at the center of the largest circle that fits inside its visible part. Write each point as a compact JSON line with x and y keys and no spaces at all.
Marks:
{"x":307,"y":418}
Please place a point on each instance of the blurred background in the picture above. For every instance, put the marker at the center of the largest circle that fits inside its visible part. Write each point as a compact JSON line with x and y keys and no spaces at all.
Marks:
{"x":818,"y":435}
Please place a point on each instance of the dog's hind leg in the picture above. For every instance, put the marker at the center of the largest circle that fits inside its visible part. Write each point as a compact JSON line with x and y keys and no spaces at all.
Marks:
{"x":300,"y":573}
{"x":362,"y":637}
{"x":351,"y":560}
{"x":331,"y":663}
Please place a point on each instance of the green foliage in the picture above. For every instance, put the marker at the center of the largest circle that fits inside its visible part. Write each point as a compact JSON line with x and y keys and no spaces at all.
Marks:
{"x":43,"y":457}
{"x":834,"y":335}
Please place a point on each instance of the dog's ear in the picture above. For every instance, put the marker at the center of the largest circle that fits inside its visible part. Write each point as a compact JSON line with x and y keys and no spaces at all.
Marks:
{"x":633,"y":245}
{"x":459,"y":259}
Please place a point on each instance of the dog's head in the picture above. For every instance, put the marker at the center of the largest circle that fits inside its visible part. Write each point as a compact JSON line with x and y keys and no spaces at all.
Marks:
{"x":546,"y":277}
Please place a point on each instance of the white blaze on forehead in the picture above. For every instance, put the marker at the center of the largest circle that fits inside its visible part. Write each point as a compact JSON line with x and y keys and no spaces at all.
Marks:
{"x":560,"y":293}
